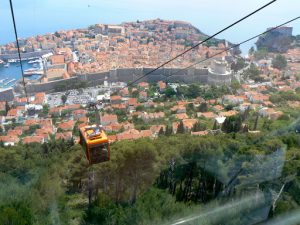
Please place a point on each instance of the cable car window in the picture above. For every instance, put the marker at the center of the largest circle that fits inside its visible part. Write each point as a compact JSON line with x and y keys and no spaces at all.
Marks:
{"x":99,"y":153}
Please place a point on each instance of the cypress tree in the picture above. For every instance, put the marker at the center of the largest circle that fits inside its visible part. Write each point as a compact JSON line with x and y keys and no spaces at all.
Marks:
{"x":180,"y":129}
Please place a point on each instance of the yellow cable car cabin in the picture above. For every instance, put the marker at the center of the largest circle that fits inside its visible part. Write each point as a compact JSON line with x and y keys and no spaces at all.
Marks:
{"x":96,"y":144}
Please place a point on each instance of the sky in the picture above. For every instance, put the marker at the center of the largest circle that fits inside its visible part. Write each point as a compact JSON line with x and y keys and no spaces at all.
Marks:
{"x":41,"y":16}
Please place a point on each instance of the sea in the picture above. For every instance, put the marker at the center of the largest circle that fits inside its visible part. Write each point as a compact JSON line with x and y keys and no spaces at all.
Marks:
{"x":10,"y":75}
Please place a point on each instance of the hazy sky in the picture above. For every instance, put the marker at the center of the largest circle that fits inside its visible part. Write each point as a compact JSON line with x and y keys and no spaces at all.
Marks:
{"x":41,"y":16}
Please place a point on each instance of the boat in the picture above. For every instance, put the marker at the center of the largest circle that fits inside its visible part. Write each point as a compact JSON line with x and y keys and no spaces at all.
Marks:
{"x":6,"y":65}
{"x":7,"y":83}
{"x":33,"y":71}
{"x":13,"y":60}
{"x":34,"y":61}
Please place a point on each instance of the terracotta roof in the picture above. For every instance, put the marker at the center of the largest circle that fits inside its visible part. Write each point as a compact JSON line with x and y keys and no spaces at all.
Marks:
{"x":208,"y":115}
{"x":143,"y":85}
{"x":112,"y":138}
{"x":14,"y":132}
{"x":79,"y":112}
{"x":189,"y":123}
{"x":65,"y":135}
{"x":132,"y":101}
{"x":39,"y":98}
{"x":33,"y":139}
{"x":146,"y":133}
{"x":115,"y":98}
{"x":162,"y":85}
{"x":200,"y":133}
{"x":156,"y":128}
{"x":181,"y":116}
{"x":12,"y":112}
{"x":12,"y":139}
{"x":2,"y":106}
{"x":109,"y":119}
{"x":69,"y":125}
{"x":228,"y":113}
{"x":30,"y":122}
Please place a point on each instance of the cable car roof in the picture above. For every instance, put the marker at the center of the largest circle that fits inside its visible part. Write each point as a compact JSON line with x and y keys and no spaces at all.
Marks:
{"x":94,"y":134}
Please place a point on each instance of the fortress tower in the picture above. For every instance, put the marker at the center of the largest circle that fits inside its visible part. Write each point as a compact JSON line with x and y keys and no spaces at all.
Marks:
{"x":218,"y":74}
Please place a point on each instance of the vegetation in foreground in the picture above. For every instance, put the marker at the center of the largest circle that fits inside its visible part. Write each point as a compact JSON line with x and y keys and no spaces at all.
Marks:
{"x":146,"y":181}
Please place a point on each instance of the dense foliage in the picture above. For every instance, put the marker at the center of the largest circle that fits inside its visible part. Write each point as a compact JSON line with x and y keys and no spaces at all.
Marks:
{"x":147,"y":181}
{"x":279,"y":62}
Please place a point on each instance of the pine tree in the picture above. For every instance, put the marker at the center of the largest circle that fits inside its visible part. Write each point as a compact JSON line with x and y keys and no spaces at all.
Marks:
{"x":237,"y":124}
{"x":215,"y":125}
{"x":180,"y":129}
{"x":169,"y":130}
{"x":256,"y":121}
{"x":7,"y":108}
{"x":245,"y":128}
{"x":203,"y":107}
{"x":161,"y":132}
{"x":246,"y":113}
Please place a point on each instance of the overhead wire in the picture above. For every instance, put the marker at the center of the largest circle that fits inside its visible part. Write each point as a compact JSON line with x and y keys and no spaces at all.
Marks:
{"x":200,"y":43}
{"x":18,"y":48}
{"x":232,"y":47}
{"x":162,"y":65}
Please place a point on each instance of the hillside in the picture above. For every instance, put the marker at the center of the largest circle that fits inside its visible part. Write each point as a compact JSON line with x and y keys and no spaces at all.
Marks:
{"x":102,"y":47}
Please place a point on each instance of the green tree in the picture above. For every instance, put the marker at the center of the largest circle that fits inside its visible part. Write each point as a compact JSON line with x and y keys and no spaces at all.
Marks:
{"x":169,"y":130}
{"x":169,"y":92}
{"x":252,"y":72}
{"x":15,"y":214}
{"x":261,"y":53}
{"x":199,"y":127}
{"x":7,"y":107}
{"x":279,"y":62}
{"x":180,"y":129}
{"x":251,"y":50}
{"x":232,"y":124}
{"x":64,"y":99}
{"x":203,"y":107}
{"x":161,"y":132}
{"x":238,"y":65}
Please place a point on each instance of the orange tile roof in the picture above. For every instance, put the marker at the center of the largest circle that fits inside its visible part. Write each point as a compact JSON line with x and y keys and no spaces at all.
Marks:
{"x":30,"y":122}
{"x":65,"y":135}
{"x":132,"y":101}
{"x":33,"y":139}
{"x":2,"y":106}
{"x":109,"y":118}
{"x":200,"y":133}
{"x":189,"y":123}
{"x":143,"y":85}
{"x":156,"y":128}
{"x":12,"y":139}
{"x":208,"y":115}
{"x":228,"y":113}
{"x":15,"y":132}
{"x":181,"y":116}
{"x":12,"y":112}
{"x":39,"y":98}
{"x":146,"y":133}
{"x":115,"y":98}
{"x":69,"y":125}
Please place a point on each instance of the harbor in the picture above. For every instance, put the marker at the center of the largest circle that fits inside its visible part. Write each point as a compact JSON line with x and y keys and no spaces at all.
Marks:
{"x":10,"y":70}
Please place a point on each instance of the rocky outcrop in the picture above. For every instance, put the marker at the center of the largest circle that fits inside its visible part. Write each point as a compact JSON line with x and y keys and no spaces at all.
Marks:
{"x":278,"y":41}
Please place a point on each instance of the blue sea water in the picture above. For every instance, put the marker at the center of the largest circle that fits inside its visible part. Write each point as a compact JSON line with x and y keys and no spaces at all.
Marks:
{"x":14,"y":72}
{"x":35,"y":17}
